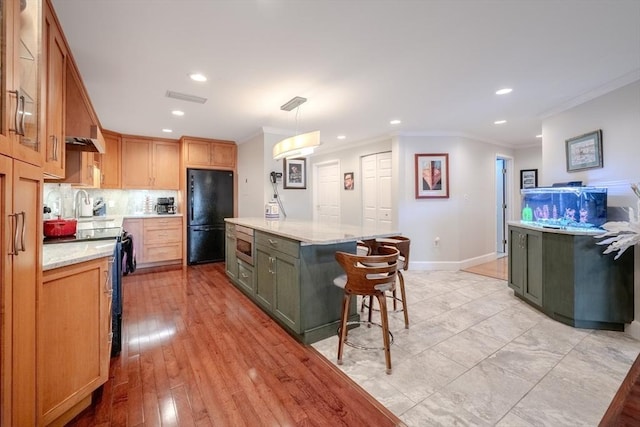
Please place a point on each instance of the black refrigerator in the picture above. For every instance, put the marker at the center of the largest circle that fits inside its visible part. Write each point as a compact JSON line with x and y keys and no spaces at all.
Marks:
{"x":209,"y":202}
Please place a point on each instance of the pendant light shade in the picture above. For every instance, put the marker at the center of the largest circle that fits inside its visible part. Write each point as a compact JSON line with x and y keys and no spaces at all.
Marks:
{"x":295,"y":146}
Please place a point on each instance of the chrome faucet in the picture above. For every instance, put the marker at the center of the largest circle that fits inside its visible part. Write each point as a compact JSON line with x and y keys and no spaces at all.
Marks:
{"x":76,"y":202}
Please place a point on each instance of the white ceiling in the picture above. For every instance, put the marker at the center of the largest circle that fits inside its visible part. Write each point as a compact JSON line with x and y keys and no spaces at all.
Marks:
{"x":433,"y":64}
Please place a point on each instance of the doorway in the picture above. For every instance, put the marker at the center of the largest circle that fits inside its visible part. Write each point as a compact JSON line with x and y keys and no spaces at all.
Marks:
{"x":376,"y":190}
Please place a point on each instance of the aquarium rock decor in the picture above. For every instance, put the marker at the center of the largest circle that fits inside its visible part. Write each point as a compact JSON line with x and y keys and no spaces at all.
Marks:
{"x":625,"y":234}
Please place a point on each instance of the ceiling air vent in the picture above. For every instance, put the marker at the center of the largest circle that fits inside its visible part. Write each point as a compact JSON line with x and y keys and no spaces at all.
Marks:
{"x":185,"y":97}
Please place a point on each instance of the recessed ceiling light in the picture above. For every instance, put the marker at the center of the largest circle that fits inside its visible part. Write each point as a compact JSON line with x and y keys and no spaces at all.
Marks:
{"x":539,"y":136}
{"x":167,"y":130}
{"x":500,"y":122}
{"x":177,"y":113}
{"x":395,"y":122}
{"x":504,"y":91}
{"x":197,"y":77}
{"x":342,"y":137}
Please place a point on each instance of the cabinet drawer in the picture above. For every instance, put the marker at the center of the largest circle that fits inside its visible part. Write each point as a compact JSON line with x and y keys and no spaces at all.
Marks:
{"x":245,"y":276}
{"x":286,"y":246}
{"x":163,"y":252}
{"x":162,"y":223}
{"x":162,"y":235}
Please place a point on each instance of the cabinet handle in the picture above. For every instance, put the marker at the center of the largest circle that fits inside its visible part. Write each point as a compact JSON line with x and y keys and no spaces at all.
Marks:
{"x":15,"y":117}
{"x":244,"y":275}
{"x":272,"y":269}
{"x":14,"y":226}
{"x":54,"y":139}
{"x":23,"y":102}
{"x":107,"y":274}
{"x":273,"y":242}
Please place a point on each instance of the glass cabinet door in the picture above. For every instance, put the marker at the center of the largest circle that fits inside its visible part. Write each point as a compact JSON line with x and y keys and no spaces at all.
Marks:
{"x":27,"y":78}
{"x":5,"y":13}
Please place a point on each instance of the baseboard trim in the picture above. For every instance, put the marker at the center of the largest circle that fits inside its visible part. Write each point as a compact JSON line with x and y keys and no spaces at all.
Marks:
{"x":452,"y":265}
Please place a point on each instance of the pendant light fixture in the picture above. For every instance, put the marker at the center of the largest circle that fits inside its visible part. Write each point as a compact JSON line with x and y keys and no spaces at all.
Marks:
{"x":298,"y":145}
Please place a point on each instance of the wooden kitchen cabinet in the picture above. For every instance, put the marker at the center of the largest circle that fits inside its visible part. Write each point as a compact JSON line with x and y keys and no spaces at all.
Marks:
{"x":82,"y":169}
{"x":230,"y":259}
{"x":20,"y":276}
{"x":55,"y":55}
{"x":111,"y":161}
{"x":156,"y":240}
{"x":162,"y":239}
{"x":150,"y":164}
{"x":20,"y":124}
{"x":75,"y":337}
{"x":209,"y":153}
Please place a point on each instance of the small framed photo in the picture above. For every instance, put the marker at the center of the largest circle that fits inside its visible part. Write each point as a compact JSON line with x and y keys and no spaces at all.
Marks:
{"x":295,"y":173}
{"x":584,"y":151}
{"x":528,"y":178}
{"x":348,"y":181}
{"x":432,"y":176}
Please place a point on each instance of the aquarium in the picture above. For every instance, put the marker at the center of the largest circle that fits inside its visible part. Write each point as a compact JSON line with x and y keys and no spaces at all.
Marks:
{"x":560,"y":207}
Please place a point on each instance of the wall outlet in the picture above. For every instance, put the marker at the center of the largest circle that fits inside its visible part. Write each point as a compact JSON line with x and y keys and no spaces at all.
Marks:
{"x":111,"y":203}
{"x":436,"y":242}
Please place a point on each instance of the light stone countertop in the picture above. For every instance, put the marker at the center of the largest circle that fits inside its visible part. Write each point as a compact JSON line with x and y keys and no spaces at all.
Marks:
{"x":57,"y":255}
{"x":575,"y":231}
{"x":314,"y":233}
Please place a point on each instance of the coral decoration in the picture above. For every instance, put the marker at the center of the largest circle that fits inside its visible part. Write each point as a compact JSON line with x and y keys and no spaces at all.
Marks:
{"x":622,"y":234}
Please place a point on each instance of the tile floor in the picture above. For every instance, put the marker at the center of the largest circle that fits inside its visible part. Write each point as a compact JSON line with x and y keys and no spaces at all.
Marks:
{"x":476,"y":355}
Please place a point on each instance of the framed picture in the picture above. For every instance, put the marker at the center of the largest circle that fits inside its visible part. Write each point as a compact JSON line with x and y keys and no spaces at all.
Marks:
{"x":584,"y":151}
{"x":348,"y":181}
{"x":528,"y":178}
{"x":432,"y":176}
{"x":295,"y":173}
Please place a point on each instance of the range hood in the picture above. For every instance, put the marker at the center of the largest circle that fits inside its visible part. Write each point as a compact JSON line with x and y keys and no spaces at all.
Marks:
{"x":94,"y":142}
{"x":82,"y":130}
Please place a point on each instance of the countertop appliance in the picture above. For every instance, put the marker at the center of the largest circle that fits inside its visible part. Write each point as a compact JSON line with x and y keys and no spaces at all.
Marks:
{"x":209,"y":202}
{"x":165,"y":205}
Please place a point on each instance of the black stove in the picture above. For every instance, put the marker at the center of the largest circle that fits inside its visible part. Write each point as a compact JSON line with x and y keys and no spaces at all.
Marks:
{"x":87,"y":235}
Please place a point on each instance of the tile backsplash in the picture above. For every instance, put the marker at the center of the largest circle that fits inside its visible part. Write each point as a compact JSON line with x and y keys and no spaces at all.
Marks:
{"x":60,"y":198}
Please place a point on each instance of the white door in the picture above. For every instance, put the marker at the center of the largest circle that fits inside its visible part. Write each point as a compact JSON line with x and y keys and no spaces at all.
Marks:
{"x":328,"y":193}
{"x":376,"y":189}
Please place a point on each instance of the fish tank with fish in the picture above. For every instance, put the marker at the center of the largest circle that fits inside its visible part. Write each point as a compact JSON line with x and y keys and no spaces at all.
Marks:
{"x":564,"y":207}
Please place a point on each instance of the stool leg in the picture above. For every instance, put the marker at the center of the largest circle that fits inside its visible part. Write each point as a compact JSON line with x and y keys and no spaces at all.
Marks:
{"x":404,"y":300}
{"x":382,"y":299}
{"x":395,"y":300}
{"x":370,"y":310}
{"x":343,"y":326}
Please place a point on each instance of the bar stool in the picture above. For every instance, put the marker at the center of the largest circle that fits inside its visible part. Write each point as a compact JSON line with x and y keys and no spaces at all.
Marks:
{"x":403,"y":244}
{"x":369,"y":275}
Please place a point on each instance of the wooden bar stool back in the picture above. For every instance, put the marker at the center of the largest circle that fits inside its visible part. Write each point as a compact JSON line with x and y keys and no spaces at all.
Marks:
{"x":403,"y":244}
{"x":368,"y":275}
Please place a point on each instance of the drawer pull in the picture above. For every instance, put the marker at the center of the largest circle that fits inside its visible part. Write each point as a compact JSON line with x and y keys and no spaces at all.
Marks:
{"x":273,"y":242}
{"x":244,"y":275}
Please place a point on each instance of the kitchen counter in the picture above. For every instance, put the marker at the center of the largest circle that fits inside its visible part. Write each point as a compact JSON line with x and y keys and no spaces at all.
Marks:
{"x":288,"y":271}
{"x":55,"y":255}
{"x":314,"y":233}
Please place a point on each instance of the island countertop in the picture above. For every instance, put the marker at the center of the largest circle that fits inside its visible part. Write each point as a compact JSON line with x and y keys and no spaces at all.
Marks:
{"x":314,"y":233}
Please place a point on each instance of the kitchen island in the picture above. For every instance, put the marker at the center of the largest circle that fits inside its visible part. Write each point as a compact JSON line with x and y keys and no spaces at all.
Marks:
{"x":287,"y":268}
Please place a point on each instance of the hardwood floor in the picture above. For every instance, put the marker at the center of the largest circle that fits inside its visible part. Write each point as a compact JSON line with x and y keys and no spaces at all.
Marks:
{"x":197,"y":352}
{"x":498,"y":269}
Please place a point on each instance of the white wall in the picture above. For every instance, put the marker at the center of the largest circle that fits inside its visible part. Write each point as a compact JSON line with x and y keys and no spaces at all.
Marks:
{"x":250,"y":177}
{"x":349,"y":158}
{"x":525,"y":158}
{"x":618,"y":115}
{"x":465,"y":223}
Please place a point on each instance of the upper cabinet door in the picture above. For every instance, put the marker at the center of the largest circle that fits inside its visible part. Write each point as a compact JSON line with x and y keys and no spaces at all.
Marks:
{"x":24,"y":92}
{"x":6,"y":74}
{"x":55,"y":64}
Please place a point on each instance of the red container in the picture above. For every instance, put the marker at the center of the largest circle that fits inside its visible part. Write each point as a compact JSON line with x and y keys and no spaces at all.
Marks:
{"x":60,"y":227}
